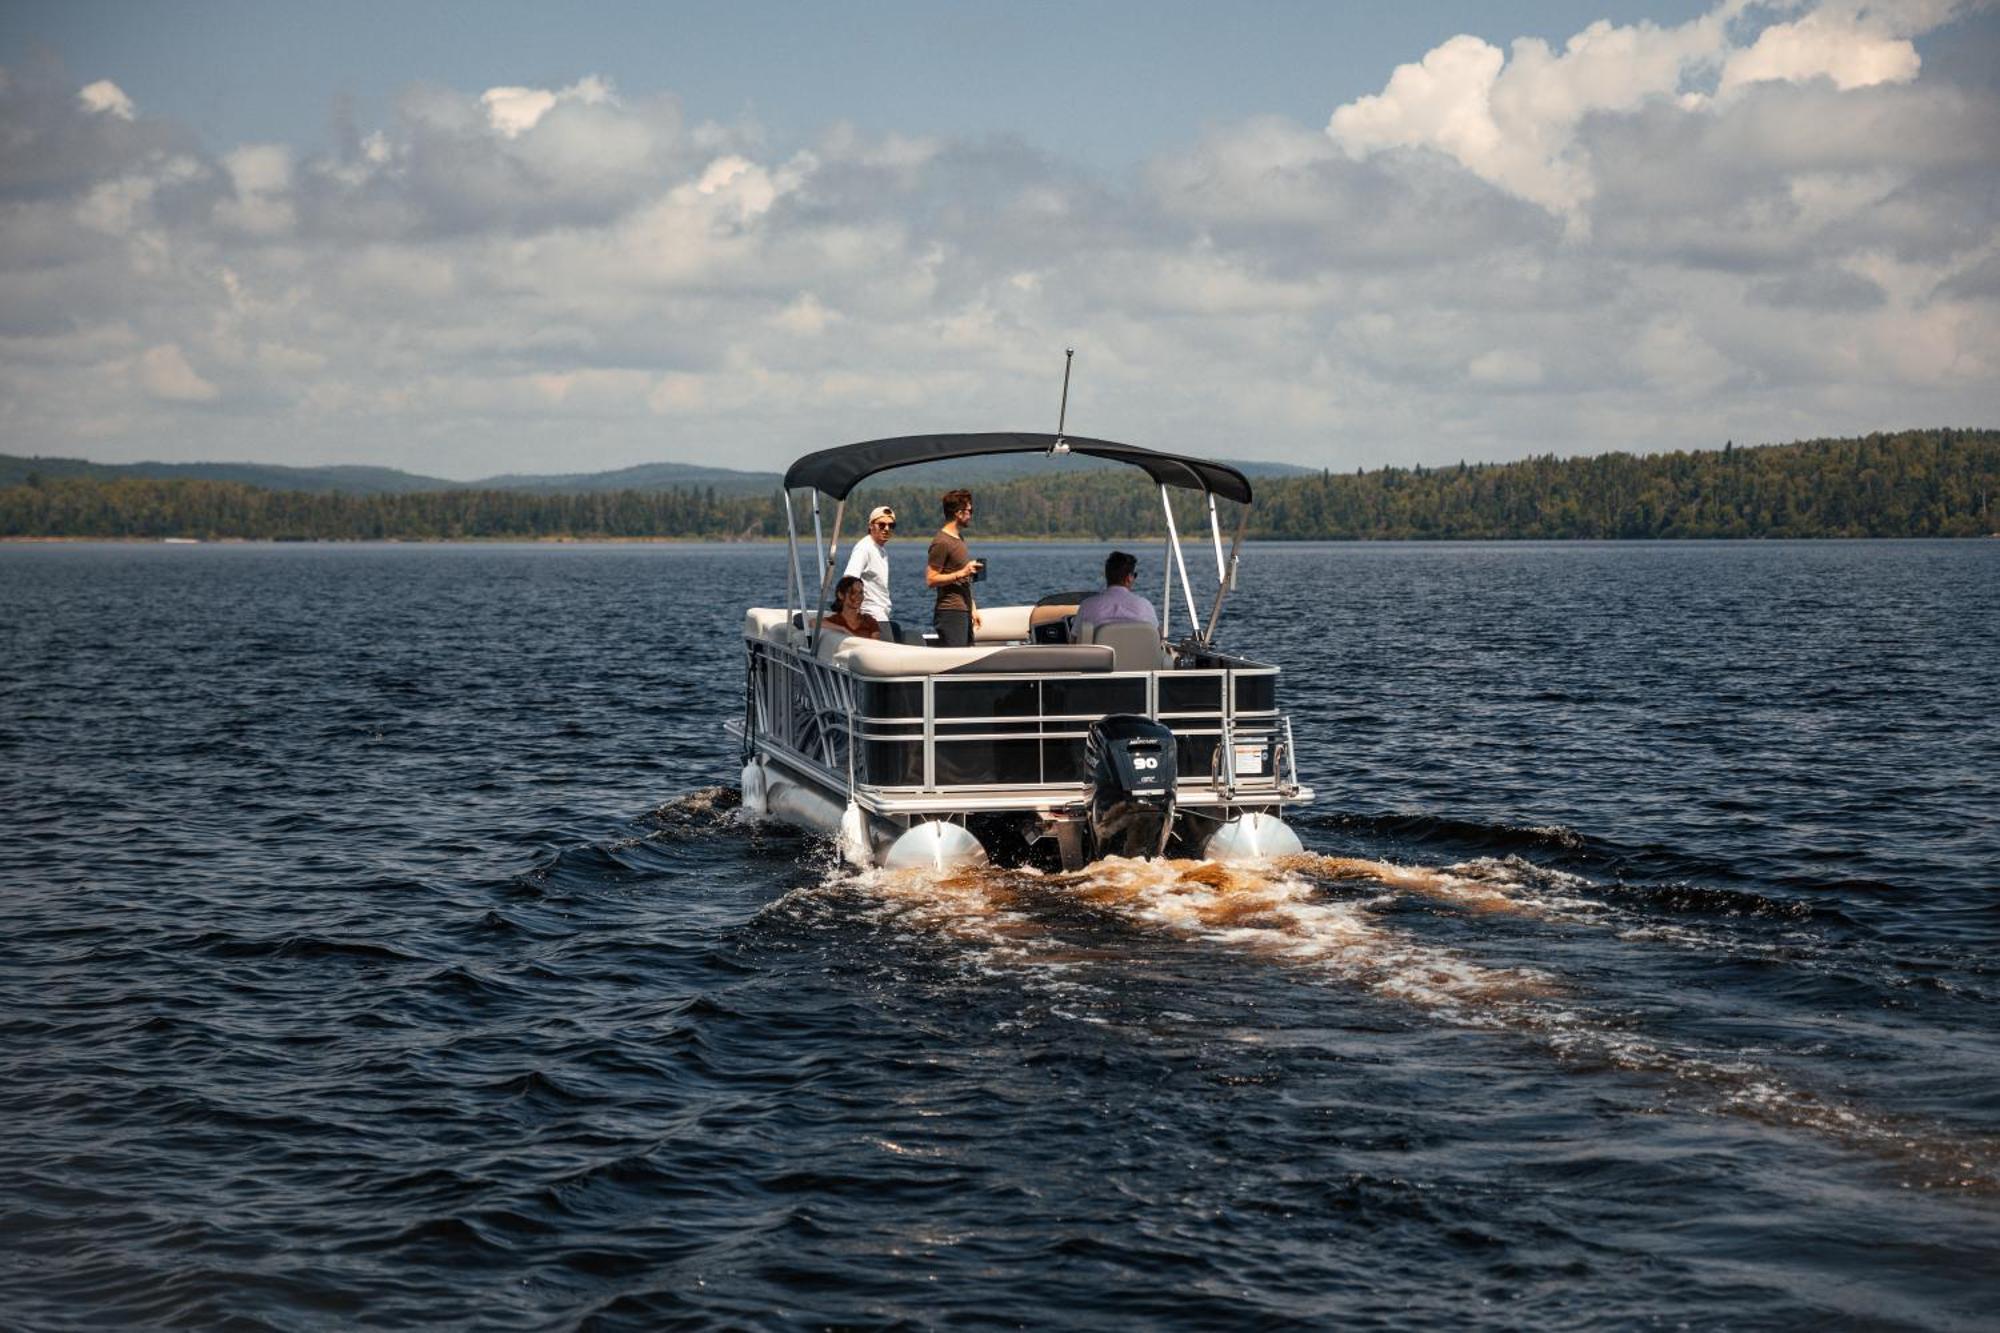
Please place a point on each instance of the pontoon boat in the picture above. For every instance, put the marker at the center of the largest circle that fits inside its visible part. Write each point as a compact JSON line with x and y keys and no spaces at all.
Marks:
{"x":1040,"y":742}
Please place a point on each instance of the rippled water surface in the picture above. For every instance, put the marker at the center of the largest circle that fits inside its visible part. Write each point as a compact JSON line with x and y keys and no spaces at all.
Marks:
{"x":384,"y":947}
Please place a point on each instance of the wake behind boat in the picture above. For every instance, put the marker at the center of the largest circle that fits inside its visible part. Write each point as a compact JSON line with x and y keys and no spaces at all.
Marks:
{"x":1045,"y":740}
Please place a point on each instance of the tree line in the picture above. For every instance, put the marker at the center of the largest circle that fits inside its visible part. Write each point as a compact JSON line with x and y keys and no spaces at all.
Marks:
{"x":1922,"y":483}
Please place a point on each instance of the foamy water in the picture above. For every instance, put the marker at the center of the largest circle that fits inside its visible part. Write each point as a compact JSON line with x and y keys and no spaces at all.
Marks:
{"x":1322,"y":917}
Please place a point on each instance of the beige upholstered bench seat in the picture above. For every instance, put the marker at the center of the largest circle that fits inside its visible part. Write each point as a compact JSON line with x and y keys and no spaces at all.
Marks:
{"x":999,"y":624}
{"x":872,"y":657}
{"x":875,"y":657}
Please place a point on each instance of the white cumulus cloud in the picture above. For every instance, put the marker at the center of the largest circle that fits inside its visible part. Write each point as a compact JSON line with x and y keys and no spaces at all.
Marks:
{"x":512,"y":112}
{"x":1850,"y":48}
{"x":107,"y":99}
{"x":1514,"y":119}
{"x":1513,"y":122}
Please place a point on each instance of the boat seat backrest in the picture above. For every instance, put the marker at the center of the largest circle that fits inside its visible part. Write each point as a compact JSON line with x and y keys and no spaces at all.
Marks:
{"x":1040,"y":660}
{"x":1134,"y":643}
{"x":873,"y":657}
{"x":767,"y":623}
{"x":1002,"y":624}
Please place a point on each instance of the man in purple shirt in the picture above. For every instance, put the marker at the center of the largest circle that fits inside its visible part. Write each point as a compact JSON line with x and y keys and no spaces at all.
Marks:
{"x":1117,"y":601}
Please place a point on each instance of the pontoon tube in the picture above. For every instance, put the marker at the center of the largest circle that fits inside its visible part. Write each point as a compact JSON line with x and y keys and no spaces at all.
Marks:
{"x":935,"y":845}
{"x":1252,"y":836}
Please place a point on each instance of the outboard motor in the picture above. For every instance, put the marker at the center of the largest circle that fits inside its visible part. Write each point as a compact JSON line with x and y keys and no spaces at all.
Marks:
{"x":1129,"y":770}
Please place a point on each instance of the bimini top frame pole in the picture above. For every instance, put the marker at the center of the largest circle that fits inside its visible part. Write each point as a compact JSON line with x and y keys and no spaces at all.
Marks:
{"x":1228,"y":579}
{"x":826,"y":579}
{"x":818,"y":541}
{"x":1215,"y":534}
{"x":795,"y":590}
{"x":1180,"y":563}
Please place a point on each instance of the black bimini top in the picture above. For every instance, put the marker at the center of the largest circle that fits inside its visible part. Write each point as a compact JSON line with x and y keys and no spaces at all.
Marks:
{"x":837,"y":471}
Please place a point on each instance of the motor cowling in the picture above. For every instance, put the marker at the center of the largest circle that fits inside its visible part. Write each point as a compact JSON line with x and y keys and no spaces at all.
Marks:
{"x":1129,"y":774}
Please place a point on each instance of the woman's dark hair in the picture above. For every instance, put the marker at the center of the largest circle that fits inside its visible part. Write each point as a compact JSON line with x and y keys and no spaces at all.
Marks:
{"x":953,"y":501}
{"x":840,"y":590}
{"x":1117,"y":565}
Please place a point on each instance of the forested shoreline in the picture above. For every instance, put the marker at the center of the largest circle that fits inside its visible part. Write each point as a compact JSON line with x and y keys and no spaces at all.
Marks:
{"x":1919,"y":483}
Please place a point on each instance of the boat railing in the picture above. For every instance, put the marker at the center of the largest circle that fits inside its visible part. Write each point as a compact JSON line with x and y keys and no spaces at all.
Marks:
{"x":1014,"y":732}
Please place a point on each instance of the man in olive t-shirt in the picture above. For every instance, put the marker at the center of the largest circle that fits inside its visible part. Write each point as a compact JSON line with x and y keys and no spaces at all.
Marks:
{"x":948,"y":572}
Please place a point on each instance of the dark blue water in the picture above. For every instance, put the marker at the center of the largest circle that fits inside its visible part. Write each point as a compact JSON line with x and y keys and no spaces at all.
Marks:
{"x":383,"y":948}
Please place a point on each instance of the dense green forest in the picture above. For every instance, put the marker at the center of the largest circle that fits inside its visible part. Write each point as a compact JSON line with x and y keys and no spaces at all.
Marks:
{"x":1926,"y":483}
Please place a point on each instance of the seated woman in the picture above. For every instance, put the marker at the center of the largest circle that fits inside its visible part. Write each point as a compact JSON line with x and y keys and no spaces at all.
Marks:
{"x":847,"y":612}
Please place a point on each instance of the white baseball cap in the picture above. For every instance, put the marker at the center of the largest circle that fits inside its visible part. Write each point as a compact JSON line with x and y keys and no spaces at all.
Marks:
{"x":881,"y":512}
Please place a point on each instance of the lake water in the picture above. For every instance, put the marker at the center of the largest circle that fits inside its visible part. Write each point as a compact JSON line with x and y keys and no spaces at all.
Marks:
{"x":384,"y":948}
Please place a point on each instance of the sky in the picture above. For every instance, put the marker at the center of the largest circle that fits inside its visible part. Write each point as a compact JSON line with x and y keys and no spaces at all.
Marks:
{"x":466,"y":239}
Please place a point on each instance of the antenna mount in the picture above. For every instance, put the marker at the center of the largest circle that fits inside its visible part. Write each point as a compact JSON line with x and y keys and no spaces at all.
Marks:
{"x":1061,"y":446}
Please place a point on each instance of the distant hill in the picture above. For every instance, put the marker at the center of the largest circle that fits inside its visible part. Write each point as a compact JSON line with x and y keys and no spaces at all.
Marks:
{"x":356,"y":480}
{"x":338,"y":480}
{"x":644,"y":477}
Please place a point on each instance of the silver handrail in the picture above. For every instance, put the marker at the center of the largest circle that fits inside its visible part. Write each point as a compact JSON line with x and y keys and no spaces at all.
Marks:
{"x":800,"y":703}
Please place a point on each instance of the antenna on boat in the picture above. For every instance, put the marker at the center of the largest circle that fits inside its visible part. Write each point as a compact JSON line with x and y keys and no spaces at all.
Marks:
{"x":1061,"y":446}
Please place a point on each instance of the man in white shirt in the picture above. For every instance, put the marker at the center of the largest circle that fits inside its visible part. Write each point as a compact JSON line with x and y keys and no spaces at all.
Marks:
{"x":870,"y":563}
{"x":1116,"y":601}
